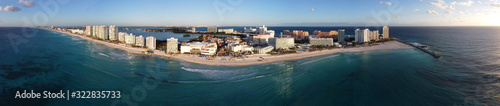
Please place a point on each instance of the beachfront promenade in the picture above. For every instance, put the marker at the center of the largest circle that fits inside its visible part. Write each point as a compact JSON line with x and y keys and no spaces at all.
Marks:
{"x":252,"y":59}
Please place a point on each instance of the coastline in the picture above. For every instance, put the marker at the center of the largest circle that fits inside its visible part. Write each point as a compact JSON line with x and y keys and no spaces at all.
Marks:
{"x":251,"y":60}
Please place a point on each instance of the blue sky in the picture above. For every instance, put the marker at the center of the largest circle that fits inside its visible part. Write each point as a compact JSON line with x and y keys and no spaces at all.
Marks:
{"x":250,"y":12}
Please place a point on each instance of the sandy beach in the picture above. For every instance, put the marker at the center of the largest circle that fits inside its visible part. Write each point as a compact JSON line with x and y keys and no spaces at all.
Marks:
{"x":251,"y":60}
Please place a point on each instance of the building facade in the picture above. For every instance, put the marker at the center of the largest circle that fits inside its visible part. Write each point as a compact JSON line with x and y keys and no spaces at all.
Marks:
{"x":282,"y":43}
{"x":121,"y":36}
{"x":88,"y":30}
{"x":361,"y":36}
{"x":113,"y":32}
{"x":151,"y":42}
{"x":140,"y":41}
{"x":341,"y":36}
{"x":385,"y":32}
{"x":321,"y":41}
{"x":172,"y":45}
{"x":212,"y":29}
{"x":130,"y":39}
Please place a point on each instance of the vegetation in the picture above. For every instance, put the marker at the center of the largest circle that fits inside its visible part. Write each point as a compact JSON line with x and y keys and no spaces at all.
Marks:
{"x":186,"y":35}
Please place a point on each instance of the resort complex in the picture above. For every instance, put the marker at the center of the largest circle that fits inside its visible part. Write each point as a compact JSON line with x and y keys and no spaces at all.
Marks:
{"x":245,"y":45}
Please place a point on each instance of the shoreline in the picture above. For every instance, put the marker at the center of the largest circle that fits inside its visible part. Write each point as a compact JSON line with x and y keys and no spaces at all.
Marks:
{"x":252,"y":59}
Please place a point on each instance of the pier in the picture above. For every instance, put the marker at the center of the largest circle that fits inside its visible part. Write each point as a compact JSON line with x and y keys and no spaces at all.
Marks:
{"x":422,"y":49}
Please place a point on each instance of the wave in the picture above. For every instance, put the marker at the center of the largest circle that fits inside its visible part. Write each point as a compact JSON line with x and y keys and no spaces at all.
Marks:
{"x":225,"y":75}
{"x":119,"y":56}
{"x":319,"y":59}
{"x":102,"y":54}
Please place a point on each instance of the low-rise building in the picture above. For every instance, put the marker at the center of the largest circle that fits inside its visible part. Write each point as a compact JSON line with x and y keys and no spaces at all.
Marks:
{"x":264,"y":50}
{"x":226,"y":30}
{"x":321,"y":41}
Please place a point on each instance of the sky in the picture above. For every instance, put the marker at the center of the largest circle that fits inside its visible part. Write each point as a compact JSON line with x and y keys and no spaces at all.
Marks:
{"x":250,"y":12}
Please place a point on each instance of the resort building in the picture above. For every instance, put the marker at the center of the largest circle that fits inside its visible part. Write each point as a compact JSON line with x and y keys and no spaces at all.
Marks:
{"x":226,"y":30}
{"x":282,"y":43}
{"x":193,"y":29}
{"x":385,"y":32}
{"x":240,"y":48}
{"x":151,"y":42}
{"x":76,"y":31}
{"x":121,"y":36}
{"x":374,"y":35}
{"x":361,"y":36}
{"x":113,"y":33}
{"x":94,"y":31}
{"x":102,"y":32}
{"x":172,"y":45}
{"x":332,"y":34}
{"x":88,"y":30}
{"x":321,"y":41}
{"x":139,"y":41}
{"x":250,"y":30}
{"x":203,"y":48}
{"x":341,"y":38}
{"x":212,"y":29}
{"x":264,"y":50}
{"x":130,"y":39}
{"x":260,"y":39}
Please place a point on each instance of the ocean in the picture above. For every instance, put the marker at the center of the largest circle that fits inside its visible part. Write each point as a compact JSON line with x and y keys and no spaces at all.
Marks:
{"x":467,"y":73}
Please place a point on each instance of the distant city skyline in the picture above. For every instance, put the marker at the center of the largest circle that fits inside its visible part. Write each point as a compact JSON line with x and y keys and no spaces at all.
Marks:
{"x":250,"y":13}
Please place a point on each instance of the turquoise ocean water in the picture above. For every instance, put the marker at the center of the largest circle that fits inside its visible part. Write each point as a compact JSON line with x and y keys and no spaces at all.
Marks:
{"x":466,"y":75}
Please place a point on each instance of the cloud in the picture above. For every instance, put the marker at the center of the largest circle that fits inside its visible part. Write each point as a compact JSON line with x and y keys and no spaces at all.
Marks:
{"x":462,"y":3}
{"x":495,"y":4}
{"x":432,"y":12}
{"x":312,"y":10}
{"x":388,"y":3}
{"x":449,"y":12}
{"x":441,"y":4}
{"x":0,"y":8}
{"x":416,"y":10}
{"x":26,"y":3}
{"x":459,"y":12}
{"x":12,"y":9}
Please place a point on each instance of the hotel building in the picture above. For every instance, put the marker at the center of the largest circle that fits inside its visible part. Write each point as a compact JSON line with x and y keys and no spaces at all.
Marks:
{"x":113,"y":32}
{"x":341,"y":36}
{"x":139,"y":41}
{"x":121,"y":36}
{"x":385,"y":32}
{"x":151,"y":42}
{"x":361,"y":36}
{"x":282,"y":43}
{"x":321,"y":41}
{"x":130,"y":39}
{"x":172,"y":45}
{"x":212,"y":29}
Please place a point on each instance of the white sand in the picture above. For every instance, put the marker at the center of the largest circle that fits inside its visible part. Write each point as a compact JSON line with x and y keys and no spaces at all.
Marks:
{"x":251,"y":60}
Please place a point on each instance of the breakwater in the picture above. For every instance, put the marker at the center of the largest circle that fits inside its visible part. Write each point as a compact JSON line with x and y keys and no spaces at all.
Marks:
{"x":422,"y":49}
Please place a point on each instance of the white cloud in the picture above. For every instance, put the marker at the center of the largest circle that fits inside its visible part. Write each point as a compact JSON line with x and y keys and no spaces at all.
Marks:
{"x":462,"y":3}
{"x":459,"y":12}
{"x":12,"y":9}
{"x":441,"y":4}
{"x":26,"y":3}
{"x":432,"y":12}
{"x":416,"y":10}
{"x":495,"y":4}
{"x":388,"y":3}
{"x":449,"y":12}
{"x":0,"y":8}
{"x":312,"y":10}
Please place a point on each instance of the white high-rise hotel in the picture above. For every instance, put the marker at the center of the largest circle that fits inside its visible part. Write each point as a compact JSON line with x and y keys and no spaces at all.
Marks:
{"x":151,"y":42}
{"x":113,"y":32}
{"x":361,"y":36}
{"x":385,"y":32}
